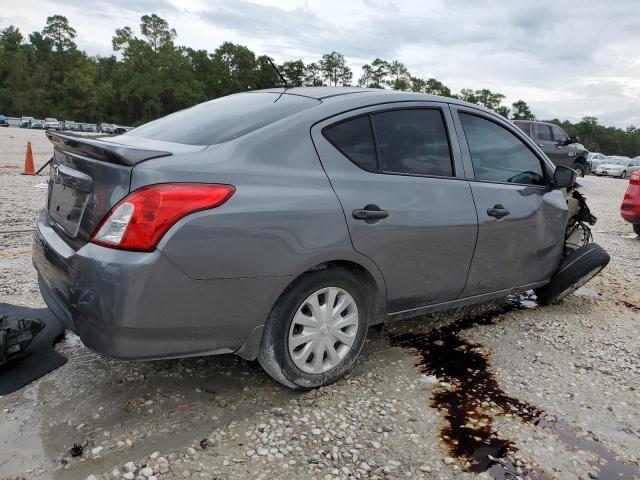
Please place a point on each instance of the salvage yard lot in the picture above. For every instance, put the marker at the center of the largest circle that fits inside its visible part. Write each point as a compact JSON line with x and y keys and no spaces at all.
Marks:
{"x":576,"y":365}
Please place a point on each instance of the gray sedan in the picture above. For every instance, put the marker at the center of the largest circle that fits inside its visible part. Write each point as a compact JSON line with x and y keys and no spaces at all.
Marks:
{"x":281,"y":224}
{"x":621,"y":167}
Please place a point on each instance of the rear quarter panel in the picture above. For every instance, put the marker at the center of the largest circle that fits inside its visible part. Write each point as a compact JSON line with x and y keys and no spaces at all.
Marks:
{"x":283,"y":218}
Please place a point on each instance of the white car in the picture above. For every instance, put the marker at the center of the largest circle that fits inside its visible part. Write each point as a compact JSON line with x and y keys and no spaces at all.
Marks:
{"x":618,"y":167}
{"x":51,"y":124}
{"x":594,"y":159}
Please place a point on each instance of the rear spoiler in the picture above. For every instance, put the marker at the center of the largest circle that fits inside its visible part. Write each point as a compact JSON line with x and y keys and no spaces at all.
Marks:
{"x":94,"y":147}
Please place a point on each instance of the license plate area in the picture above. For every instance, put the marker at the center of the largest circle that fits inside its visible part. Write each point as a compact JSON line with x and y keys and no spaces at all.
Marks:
{"x":69,"y":193}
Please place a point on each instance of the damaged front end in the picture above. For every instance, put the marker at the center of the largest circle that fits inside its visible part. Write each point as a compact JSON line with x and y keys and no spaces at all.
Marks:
{"x":578,"y":234}
{"x":16,"y":335}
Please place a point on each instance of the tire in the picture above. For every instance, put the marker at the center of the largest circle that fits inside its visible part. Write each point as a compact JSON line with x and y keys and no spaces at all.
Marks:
{"x":623,"y":175}
{"x":574,"y":271}
{"x":636,"y":228}
{"x":275,"y":354}
{"x":580,"y":168}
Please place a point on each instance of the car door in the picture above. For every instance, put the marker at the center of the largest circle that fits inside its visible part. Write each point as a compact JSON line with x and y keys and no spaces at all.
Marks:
{"x":565,"y":152}
{"x":521,"y":219}
{"x":397,"y":171}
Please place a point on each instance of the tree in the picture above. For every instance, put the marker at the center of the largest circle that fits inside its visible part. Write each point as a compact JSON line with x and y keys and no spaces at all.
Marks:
{"x":312,"y":75}
{"x":294,"y":72}
{"x":265,"y":76}
{"x":379,"y":73}
{"x":400,"y":77}
{"x":157,"y":32}
{"x":435,"y":87}
{"x":334,"y":69}
{"x":60,"y":33}
{"x":520,"y":111}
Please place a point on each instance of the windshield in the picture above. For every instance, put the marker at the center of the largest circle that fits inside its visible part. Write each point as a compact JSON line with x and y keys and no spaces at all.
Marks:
{"x":224,"y":118}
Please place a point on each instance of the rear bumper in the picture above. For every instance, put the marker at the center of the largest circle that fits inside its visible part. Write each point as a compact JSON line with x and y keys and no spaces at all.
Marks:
{"x":137,"y":305}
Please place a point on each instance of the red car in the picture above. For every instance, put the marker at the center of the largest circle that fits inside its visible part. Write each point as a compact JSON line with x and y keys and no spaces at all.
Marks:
{"x":630,"y":208}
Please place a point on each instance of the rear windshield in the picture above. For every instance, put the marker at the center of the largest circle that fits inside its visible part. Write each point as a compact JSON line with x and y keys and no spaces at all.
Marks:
{"x":224,"y":118}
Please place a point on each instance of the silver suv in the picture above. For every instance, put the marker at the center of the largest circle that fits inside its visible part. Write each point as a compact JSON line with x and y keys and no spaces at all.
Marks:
{"x":282,"y":224}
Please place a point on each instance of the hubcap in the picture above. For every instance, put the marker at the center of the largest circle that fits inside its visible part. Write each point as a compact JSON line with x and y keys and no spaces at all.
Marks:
{"x":323,"y":330}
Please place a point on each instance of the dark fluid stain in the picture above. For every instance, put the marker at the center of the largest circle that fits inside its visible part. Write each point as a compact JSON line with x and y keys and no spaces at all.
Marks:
{"x":472,"y":398}
{"x":629,"y":305}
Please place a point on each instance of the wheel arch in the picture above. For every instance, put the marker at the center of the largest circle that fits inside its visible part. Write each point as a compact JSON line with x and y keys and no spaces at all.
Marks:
{"x":368,"y":274}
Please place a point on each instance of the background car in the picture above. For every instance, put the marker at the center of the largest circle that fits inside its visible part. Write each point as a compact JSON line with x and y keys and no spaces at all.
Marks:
{"x":37,"y":124}
{"x":556,"y":144}
{"x":620,"y":167}
{"x":4,"y":121}
{"x":25,"y":122}
{"x":594,"y":159}
{"x":630,"y":208}
{"x":69,"y":126}
{"x":106,"y":128}
{"x":52,"y":124}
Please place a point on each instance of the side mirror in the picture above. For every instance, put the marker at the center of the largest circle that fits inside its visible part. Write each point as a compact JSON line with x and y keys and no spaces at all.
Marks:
{"x":564,"y":177}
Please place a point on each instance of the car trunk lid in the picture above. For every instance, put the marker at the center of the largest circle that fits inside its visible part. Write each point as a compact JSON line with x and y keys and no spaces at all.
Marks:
{"x":88,"y":176}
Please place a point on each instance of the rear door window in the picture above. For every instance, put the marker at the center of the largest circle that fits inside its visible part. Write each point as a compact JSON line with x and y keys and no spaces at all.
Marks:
{"x":354,"y":139}
{"x":498,"y":155}
{"x":525,"y":127}
{"x":543,"y":132}
{"x":224,"y":118}
{"x":413,"y":142}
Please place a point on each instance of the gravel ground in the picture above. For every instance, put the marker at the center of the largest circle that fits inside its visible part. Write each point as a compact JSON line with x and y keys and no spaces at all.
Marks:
{"x":554,"y":390}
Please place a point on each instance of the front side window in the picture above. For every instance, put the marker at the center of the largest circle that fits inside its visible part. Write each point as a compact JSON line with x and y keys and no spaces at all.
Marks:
{"x":543,"y":132}
{"x":355,"y":140}
{"x":559,"y":135}
{"x":413,"y":142}
{"x":498,"y":155}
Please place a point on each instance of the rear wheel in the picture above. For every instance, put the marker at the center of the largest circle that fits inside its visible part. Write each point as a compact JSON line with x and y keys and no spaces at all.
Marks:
{"x":574,"y":271}
{"x":315,"y":330}
{"x":580,"y":168}
{"x":636,"y":228}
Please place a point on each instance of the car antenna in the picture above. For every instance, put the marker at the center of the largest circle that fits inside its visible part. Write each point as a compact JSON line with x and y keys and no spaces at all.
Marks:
{"x":284,"y":80}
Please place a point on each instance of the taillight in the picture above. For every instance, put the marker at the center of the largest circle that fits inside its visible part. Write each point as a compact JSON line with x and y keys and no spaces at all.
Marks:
{"x":635,"y":178}
{"x":139,"y":221}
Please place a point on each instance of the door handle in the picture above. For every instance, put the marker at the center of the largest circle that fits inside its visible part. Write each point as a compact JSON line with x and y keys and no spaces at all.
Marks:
{"x":498,"y":211}
{"x":370,"y":214}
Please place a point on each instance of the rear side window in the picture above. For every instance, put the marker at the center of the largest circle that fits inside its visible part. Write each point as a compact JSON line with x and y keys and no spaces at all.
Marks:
{"x":355,"y":140}
{"x":224,"y":118}
{"x":413,"y":142}
{"x":543,"y":132}
{"x":525,"y":127}
{"x":498,"y":155}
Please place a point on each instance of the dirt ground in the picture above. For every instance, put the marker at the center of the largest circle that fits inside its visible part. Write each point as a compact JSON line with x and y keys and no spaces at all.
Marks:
{"x":507,"y":390}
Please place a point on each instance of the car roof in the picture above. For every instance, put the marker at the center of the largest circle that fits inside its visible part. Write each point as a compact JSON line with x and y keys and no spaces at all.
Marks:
{"x":366,"y":96}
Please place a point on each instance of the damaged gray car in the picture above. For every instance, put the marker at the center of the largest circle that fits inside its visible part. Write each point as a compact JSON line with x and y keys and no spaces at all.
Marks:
{"x":282,"y":224}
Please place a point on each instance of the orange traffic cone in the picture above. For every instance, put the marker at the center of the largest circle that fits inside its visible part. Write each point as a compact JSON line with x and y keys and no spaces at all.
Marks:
{"x":29,"y":169}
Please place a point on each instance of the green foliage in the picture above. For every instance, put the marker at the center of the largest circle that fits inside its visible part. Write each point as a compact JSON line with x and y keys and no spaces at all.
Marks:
{"x":520,"y":111}
{"x":149,"y":76}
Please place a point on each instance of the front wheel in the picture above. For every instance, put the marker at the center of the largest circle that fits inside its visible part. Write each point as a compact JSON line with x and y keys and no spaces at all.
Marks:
{"x":315,"y":330}
{"x":623,"y":175}
{"x":636,"y":228}
{"x":574,"y":271}
{"x":580,"y":169}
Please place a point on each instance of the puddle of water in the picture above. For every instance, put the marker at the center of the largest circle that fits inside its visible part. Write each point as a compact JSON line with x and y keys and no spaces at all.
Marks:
{"x":469,"y":397}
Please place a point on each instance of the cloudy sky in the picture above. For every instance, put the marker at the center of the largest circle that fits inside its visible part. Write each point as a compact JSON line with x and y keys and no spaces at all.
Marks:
{"x":566,"y":59}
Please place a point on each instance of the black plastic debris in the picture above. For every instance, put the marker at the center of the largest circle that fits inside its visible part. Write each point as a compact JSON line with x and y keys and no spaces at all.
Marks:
{"x":15,"y":336}
{"x":76,"y":450}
